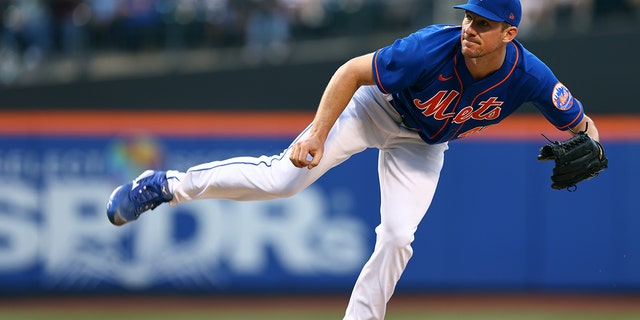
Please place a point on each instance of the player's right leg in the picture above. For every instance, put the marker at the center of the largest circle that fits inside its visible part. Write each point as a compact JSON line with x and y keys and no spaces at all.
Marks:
{"x":267,"y":177}
{"x":240,"y":178}
{"x":244,"y":178}
{"x":247,"y":178}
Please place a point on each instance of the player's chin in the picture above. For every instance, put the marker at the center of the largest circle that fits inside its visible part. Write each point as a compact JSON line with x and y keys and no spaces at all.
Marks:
{"x":471,"y":52}
{"x":470,"y":49}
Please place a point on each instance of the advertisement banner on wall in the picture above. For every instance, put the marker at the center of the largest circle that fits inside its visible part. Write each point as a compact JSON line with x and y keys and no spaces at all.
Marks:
{"x":495,"y":223}
{"x":54,"y":234}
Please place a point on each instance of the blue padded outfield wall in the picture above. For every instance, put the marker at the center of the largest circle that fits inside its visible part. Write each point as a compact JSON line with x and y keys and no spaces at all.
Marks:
{"x":495,"y":223}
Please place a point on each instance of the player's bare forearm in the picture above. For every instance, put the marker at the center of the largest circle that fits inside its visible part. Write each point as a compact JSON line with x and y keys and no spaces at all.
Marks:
{"x":344,"y":83}
{"x":588,"y":124}
{"x":341,"y":88}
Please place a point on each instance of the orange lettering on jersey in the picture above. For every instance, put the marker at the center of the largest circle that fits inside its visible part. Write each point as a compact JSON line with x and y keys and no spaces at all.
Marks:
{"x":486,"y":110}
{"x":438,"y":104}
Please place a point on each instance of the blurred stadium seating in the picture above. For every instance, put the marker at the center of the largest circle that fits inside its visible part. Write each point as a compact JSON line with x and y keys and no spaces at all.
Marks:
{"x":61,"y":41}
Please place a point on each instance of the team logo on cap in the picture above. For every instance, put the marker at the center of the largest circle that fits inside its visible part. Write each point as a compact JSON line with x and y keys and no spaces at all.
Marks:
{"x":562,"y":98}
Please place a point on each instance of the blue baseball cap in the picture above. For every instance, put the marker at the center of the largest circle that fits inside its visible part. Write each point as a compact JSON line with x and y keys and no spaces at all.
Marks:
{"x":508,"y":11}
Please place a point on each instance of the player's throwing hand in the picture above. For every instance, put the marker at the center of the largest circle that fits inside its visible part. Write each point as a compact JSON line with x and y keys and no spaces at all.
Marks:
{"x":307,"y":152}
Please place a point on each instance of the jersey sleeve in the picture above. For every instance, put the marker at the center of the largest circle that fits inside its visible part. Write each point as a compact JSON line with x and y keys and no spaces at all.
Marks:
{"x":397,"y":66}
{"x":408,"y":60}
{"x":555,"y":101}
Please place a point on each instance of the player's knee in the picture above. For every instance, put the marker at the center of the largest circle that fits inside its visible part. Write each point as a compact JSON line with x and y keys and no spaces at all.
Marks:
{"x":285,"y":190}
{"x":283,"y":193}
{"x":400,"y":238}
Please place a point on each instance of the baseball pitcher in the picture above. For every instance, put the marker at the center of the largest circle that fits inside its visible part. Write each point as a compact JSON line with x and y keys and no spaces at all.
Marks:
{"x":409,"y":99}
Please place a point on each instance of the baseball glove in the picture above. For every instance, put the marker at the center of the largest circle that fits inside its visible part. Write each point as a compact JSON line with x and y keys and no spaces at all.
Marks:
{"x":578,"y":158}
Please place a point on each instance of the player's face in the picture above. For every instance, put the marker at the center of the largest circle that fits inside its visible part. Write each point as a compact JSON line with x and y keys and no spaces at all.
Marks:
{"x":481,"y":36}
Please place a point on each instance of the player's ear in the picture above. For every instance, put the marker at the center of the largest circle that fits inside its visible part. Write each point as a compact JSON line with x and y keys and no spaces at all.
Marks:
{"x":509,"y":33}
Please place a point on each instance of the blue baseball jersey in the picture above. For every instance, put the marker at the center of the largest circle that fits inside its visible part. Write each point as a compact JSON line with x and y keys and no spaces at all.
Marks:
{"x":434,"y":92}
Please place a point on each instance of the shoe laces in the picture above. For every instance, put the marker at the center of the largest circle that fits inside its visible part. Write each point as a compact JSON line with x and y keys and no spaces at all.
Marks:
{"x":147,"y":196}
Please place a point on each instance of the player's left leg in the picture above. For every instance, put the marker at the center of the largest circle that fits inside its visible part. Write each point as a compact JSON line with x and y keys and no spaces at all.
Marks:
{"x":409,"y":171}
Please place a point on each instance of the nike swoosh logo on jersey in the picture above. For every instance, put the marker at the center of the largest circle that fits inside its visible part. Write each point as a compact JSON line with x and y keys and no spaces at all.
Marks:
{"x":443,"y":78}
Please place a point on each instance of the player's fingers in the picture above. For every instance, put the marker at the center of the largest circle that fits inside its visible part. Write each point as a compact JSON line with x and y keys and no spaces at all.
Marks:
{"x":298,"y":156}
{"x":292,"y":155}
{"x":294,"y":158}
{"x":315,"y":159}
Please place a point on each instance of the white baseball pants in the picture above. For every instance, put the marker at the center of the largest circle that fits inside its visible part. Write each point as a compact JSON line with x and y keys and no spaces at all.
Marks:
{"x":408,"y":170}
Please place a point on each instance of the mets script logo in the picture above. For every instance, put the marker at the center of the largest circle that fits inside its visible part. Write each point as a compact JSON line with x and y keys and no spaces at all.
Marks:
{"x":438,"y":104}
{"x":562,"y":98}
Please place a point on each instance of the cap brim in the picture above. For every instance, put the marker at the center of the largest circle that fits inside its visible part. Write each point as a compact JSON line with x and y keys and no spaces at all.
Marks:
{"x":479,"y":11}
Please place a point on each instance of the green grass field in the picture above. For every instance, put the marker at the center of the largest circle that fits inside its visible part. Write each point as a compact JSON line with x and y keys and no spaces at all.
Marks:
{"x":323,"y":308}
